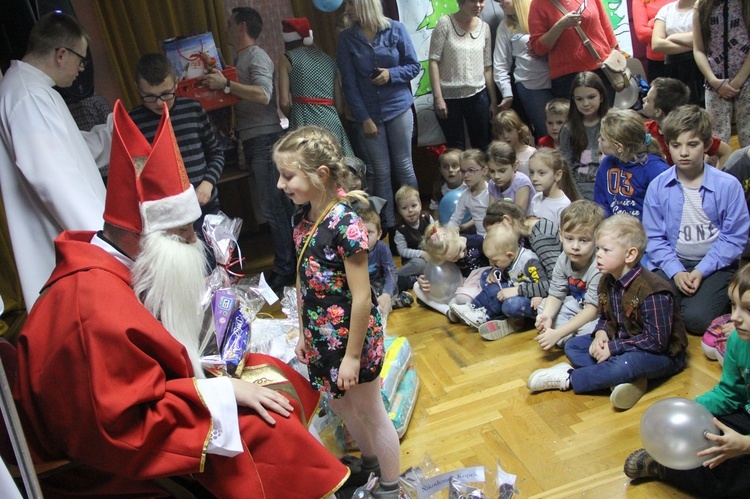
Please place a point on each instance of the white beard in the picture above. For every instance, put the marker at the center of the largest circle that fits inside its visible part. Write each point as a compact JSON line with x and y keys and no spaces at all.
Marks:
{"x":169,"y":279}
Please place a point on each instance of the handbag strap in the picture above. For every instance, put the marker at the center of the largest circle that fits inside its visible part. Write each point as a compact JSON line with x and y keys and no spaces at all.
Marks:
{"x":310,"y":234}
{"x":585,"y":39}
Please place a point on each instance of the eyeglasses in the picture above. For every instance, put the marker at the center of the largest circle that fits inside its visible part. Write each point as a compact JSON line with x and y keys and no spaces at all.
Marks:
{"x":470,"y":171}
{"x":82,"y":60}
{"x":165,"y":97}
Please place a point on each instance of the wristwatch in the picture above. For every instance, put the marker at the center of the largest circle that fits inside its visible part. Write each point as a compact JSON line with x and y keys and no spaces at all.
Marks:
{"x":227,"y":88}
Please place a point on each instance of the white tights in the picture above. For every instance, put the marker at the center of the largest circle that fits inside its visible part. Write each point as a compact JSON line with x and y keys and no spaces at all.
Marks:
{"x":364,"y":414}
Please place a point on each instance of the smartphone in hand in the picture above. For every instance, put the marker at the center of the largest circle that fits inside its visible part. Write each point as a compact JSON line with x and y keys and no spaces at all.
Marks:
{"x":580,"y":9}
{"x":375,"y":73}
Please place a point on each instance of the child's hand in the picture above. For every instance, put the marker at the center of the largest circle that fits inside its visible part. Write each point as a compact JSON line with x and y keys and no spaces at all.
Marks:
{"x":384,"y":304}
{"x":542,"y":323}
{"x":506,"y":293}
{"x":601,"y":352}
{"x":727,"y":328}
{"x":730,"y":444}
{"x":348,"y":373}
{"x":696,"y":277}
{"x":547,"y":339}
{"x":600,"y":337}
{"x":536,"y":301}
{"x":424,"y":284}
{"x":491,"y":277}
{"x":300,"y":350}
{"x":684,"y":283}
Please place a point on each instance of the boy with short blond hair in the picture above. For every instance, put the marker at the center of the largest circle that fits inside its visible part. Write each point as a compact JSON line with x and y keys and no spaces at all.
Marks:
{"x":409,"y":235}
{"x":571,"y":305}
{"x":696,"y":219}
{"x":507,"y":287}
{"x":556,"y":111}
{"x":639,"y":335}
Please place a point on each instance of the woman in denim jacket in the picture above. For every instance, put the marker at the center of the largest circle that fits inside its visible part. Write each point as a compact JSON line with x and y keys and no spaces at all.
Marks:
{"x":377,"y":62}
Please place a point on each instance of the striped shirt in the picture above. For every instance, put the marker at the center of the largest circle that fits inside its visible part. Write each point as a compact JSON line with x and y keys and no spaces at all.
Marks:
{"x":697,"y":233}
{"x":544,"y":240}
{"x":201,"y":153}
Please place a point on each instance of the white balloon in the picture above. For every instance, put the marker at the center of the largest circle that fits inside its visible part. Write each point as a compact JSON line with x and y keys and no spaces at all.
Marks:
{"x":444,"y":280}
{"x":673,"y":432}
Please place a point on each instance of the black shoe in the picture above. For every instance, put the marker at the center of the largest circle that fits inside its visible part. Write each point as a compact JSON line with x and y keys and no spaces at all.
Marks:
{"x":278,"y":281}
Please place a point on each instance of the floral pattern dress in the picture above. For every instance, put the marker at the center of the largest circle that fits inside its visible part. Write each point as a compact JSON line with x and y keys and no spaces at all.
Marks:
{"x":327,"y":300}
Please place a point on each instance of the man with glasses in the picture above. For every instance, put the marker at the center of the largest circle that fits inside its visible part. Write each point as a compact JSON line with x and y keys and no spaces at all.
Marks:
{"x":48,"y":168}
{"x":203,"y":157}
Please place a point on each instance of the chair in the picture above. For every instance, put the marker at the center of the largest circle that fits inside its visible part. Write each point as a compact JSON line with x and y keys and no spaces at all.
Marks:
{"x":26,"y":470}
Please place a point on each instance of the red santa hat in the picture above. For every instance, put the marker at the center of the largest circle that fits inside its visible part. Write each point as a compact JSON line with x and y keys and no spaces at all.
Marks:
{"x":297,"y":28}
{"x":147,"y":188}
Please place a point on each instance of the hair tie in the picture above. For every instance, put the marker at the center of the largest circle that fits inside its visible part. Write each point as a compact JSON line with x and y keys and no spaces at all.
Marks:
{"x":341,"y":192}
{"x":647,"y":140}
{"x":437,"y":151}
{"x":436,"y":235}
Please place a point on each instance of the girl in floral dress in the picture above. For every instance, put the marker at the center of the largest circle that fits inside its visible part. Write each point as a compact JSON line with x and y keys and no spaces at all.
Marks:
{"x":341,"y":337}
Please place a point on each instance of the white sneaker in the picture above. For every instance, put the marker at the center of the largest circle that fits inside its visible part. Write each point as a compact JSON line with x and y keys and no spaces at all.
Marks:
{"x":452,"y":316}
{"x":556,"y":377}
{"x":626,"y":395}
{"x":469,"y":315}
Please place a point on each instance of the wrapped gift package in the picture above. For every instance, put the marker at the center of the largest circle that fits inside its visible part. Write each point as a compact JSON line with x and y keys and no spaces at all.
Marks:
{"x":192,"y":57}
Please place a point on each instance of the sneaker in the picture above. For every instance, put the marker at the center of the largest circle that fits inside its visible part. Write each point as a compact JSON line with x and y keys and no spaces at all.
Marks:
{"x":469,"y":315}
{"x":402,"y":300}
{"x":494,"y":330}
{"x":626,"y":395}
{"x":556,"y":377}
{"x":712,"y":335}
{"x":640,"y":464}
{"x":452,"y":316}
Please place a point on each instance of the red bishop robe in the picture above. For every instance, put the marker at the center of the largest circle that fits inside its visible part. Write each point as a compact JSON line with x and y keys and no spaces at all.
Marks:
{"x":102,"y":383}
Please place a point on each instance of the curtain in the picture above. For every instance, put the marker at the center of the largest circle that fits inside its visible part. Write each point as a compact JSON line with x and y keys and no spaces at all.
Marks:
{"x":136,"y":27}
{"x":10,"y":287}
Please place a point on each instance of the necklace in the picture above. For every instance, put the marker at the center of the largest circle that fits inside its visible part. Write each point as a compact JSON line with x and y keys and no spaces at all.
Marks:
{"x":455,"y":29}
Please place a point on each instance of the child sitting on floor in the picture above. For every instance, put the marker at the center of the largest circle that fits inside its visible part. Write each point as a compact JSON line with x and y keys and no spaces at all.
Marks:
{"x":640,"y":334}
{"x":507,"y":127}
{"x":553,"y":181}
{"x":445,"y":244}
{"x":726,"y":469}
{"x":506,"y":287}
{"x":506,"y":182}
{"x":571,"y":306}
{"x":381,"y":268}
{"x":556,"y":111}
{"x":633,"y":159}
{"x":409,"y":235}
{"x":449,"y":161}
{"x":697,"y":221}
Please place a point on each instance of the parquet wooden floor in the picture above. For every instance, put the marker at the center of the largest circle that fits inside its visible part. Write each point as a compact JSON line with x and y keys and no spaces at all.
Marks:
{"x":473,"y":408}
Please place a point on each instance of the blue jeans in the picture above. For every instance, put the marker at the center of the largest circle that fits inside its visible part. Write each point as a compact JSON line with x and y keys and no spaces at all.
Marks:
{"x":475,"y":110}
{"x":516,"y":306}
{"x":275,"y":206}
{"x":589,"y":376}
{"x":390,"y":154}
{"x":534,"y":102}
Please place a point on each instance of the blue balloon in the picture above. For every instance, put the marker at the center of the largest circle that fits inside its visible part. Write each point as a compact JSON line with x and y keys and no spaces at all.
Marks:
{"x":448,"y":205}
{"x":327,"y":5}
